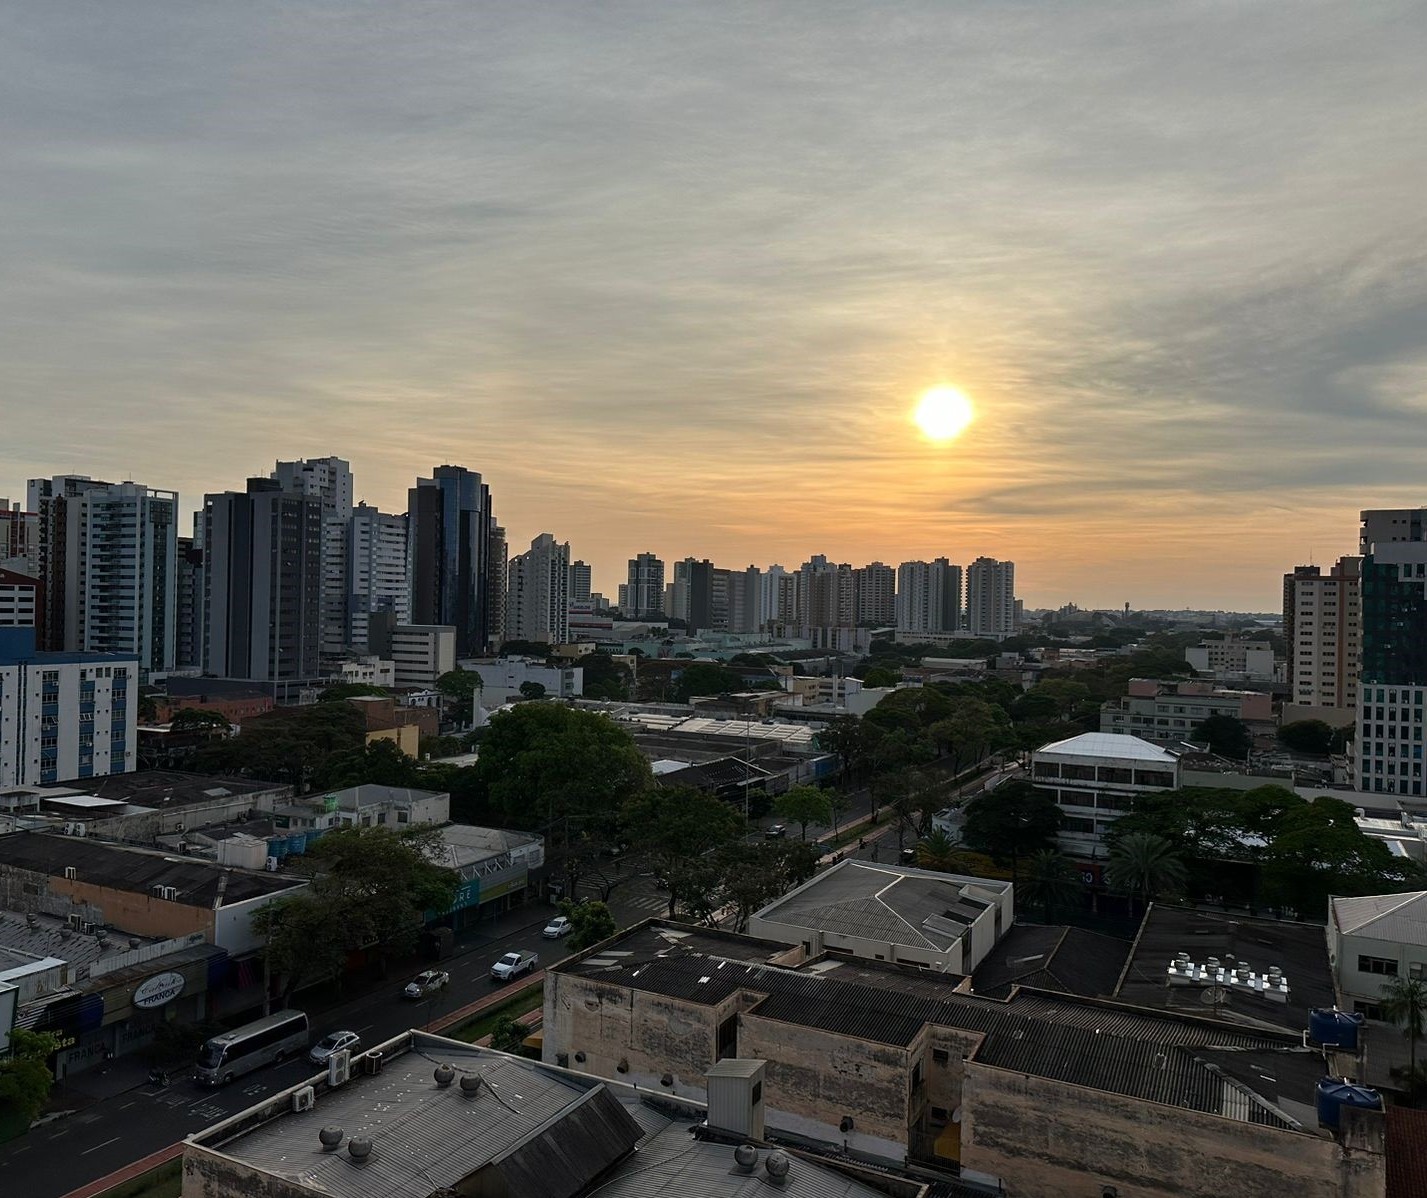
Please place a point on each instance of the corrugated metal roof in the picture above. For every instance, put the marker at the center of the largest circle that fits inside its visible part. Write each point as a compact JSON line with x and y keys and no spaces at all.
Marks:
{"x":1109,"y":744}
{"x":1401,"y":918}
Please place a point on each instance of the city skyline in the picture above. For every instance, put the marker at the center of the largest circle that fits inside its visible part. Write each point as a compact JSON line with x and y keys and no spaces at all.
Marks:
{"x":674,"y":278}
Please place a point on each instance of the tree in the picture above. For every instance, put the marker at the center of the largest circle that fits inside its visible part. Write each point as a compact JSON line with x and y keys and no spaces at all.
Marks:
{"x":370,"y":889}
{"x":1050,"y":880}
{"x":970,"y":729}
{"x":508,"y":1034}
{"x":196,"y":719}
{"x":848,"y":739}
{"x":706,"y":678}
{"x":1308,"y":736}
{"x":676,"y":828}
{"x":1226,"y":736}
{"x":937,"y":850}
{"x":532,"y":690}
{"x":879,"y":676}
{"x":804,"y":805}
{"x":459,"y":689}
{"x":911,"y":709}
{"x":751,"y":874}
{"x":592,"y":923}
{"x":377,"y":763}
{"x":288,"y":744}
{"x":1404,"y":1003}
{"x":25,"y":1078}
{"x":1144,"y":867}
{"x":605,"y":678}
{"x":1067,"y":694}
{"x":1015,"y":820}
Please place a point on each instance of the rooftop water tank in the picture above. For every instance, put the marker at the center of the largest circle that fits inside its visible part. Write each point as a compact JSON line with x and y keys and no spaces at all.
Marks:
{"x":1328,"y":1025}
{"x":1334,"y":1095}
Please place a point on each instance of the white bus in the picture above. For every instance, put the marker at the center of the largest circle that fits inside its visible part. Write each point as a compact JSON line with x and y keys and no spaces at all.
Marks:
{"x":252,"y":1046}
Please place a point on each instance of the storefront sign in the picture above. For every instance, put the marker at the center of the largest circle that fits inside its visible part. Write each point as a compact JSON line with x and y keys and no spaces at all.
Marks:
{"x":160,"y":989}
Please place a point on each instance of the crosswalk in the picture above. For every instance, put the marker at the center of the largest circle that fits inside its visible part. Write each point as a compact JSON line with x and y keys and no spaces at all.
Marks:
{"x":645,"y":902}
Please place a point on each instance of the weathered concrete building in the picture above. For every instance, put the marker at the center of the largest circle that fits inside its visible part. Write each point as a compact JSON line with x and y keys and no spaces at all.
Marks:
{"x":1041,"y":1093}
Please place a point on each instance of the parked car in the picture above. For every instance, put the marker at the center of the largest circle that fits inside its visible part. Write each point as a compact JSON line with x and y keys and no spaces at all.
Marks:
{"x":775,"y":832}
{"x":423,"y":985}
{"x":334,"y":1042}
{"x":557,"y":927}
{"x":513,"y":964}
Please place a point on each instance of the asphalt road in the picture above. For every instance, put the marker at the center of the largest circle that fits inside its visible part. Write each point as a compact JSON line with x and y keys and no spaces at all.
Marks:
{"x":99,"y":1139}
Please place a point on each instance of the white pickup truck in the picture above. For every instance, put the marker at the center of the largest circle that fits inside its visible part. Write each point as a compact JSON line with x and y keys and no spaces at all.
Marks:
{"x":513,"y":964}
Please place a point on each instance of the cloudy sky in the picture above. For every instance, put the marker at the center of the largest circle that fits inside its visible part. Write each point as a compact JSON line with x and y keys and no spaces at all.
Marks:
{"x":672,"y":275}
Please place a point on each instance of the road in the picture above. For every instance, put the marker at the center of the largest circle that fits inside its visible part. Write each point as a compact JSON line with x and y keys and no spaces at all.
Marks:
{"x":58,"y":1157}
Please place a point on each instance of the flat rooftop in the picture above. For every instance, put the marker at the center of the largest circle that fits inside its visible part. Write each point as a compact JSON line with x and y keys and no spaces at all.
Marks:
{"x":161,"y":788}
{"x":1299,"y":949}
{"x":199,"y":884}
{"x":528,"y":1131}
{"x":1157,"y":1056}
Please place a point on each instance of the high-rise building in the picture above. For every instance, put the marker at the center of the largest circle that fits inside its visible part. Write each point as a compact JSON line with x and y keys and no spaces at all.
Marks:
{"x":991,"y":598}
{"x":777,"y":598}
{"x":1392,"y":687}
{"x":49,"y":499}
{"x":262,"y":581}
{"x":580,"y":582}
{"x":188,"y":604}
{"x":676,"y":594}
{"x":19,"y":540}
{"x":929,"y":597}
{"x":20,"y":600}
{"x":64,"y":716}
{"x":376,"y":571}
{"x":537,"y":601}
{"x":453,"y":542}
{"x":111,"y":555}
{"x":497,"y":577}
{"x":1322,"y":628}
{"x":645,"y":587}
{"x":330,"y":480}
{"x":826,"y":595}
{"x":874,"y":589}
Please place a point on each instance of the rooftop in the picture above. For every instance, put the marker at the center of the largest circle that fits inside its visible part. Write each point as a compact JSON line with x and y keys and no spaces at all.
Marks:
{"x":162,"y":788}
{"x":527,"y":1131}
{"x":1109,"y":744}
{"x":1064,"y":959}
{"x":39,"y":935}
{"x":1162,"y":1057}
{"x":1401,"y":918}
{"x":198,"y":883}
{"x":1299,"y":949}
{"x":888,"y":903}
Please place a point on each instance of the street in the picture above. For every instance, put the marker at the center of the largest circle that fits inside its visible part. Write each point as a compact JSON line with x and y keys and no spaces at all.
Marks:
{"x":104,"y":1136}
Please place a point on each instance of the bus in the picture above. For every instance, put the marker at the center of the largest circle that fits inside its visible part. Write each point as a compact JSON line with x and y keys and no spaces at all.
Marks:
{"x":252,"y":1046}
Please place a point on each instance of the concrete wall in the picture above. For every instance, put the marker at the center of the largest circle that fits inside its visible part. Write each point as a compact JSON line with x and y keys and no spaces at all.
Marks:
{"x":1146,"y":1150}
{"x":949,"y":960}
{"x":149,"y":826}
{"x":233,"y":922}
{"x":1344,"y":951}
{"x":141,"y":914}
{"x":208,"y":1174}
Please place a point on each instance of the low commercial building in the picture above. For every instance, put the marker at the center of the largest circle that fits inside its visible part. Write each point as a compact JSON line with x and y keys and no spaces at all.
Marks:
{"x":502,"y":678}
{"x":938,"y":921}
{"x":1228,"y":657}
{"x":420,"y":653}
{"x":1372,"y":940}
{"x":423,"y":1115}
{"x":1038,"y":1094}
{"x":1168,"y":712}
{"x":498,"y":869}
{"x":1094,"y":778}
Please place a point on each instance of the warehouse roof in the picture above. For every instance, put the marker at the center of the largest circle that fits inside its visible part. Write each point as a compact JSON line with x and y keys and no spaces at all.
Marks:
{"x":1109,"y":744}
{"x":1401,"y":918}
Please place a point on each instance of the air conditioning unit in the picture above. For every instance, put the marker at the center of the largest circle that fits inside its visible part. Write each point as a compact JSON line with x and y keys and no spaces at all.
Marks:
{"x":304,"y":1099}
{"x":75,"y":920}
{"x":372,"y":1063}
{"x":339,"y":1067}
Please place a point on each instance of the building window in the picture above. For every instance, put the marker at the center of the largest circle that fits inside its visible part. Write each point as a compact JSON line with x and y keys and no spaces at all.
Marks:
{"x":1369,"y":1010}
{"x":940,"y":1056}
{"x":1378,"y":965}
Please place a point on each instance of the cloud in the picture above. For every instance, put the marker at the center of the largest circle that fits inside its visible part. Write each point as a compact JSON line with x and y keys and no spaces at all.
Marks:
{"x":671,"y":275}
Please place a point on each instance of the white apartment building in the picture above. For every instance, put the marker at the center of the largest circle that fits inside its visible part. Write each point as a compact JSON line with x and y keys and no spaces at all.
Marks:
{"x":874,"y":588}
{"x":1230,"y":657}
{"x":777,"y":597}
{"x":1167,"y":712}
{"x":537,"y":599}
{"x":1373,"y":939}
{"x":19,"y":539}
{"x":1094,"y":779}
{"x":991,"y":598}
{"x":64,"y":716}
{"x":421,"y":653}
{"x":329,"y":479}
{"x":377,"y":578}
{"x":367,"y":671}
{"x":928,"y":597}
{"x":580,"y":583}
{"x":502,"y":678}
{"x":19,"y":600}
{"x":1322,"y":625}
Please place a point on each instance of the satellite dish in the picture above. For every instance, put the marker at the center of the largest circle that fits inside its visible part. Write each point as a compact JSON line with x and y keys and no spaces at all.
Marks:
{"x":1213,"y":996}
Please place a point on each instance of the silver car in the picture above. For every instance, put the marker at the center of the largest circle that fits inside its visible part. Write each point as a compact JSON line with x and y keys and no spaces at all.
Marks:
{"x":423,"y":985}
{"x":334,"y":1042}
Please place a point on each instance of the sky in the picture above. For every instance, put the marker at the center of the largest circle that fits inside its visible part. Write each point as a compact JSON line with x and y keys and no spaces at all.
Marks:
{"x":672,"y":276}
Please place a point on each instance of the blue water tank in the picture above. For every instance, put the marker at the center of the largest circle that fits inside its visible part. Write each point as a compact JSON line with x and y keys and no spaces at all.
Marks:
{"x":1334,"y":1095}
{"x":1328,"y":1025}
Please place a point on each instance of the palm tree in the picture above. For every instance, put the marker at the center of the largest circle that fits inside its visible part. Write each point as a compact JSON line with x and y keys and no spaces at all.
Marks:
{"x":1050,"y":881}
{"x":1145,"y":866}
{"x":1404,"y":1002}
{"x":937,"y":850}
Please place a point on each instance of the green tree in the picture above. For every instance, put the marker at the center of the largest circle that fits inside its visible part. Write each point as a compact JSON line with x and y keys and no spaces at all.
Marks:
{"x":1067,"y":694}
{"x":370,"y":889}
{"x":1307,"y":736}
{"x":1051,"y":881}
{"x":377,"y":763}
{"x":706,"y":678}
{"x":848,"y":739}
{"x":592,"y":923}
{"x":937,"y":850}
{"x":912,"y":710}
{"x":1015,"y":820}
{"x":1144,"y":867}
{"x":605,"y":678}
{"x":289,"y":744}
{"x":804,"y":805}
{"x":532,"y":690}
{"x":459,"y":689}
{"x":880,"y":676}
{"x":1404,"y":1003}
{"x":26,"y":1078}
{"x":751,"y":874}
{"x":1226,"y":736}
{"x":675,"y":828}
{"x":971,"y":729}
{"x":196,"y":719}
{"x":508,"y":1034}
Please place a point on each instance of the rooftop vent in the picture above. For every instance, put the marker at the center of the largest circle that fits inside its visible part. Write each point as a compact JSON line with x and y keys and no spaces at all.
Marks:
{"x":745,"y":1157}
{"x":777,"y":1164}
{"x":359,"y":1148}
{"x":444,"y":1075}
{"x":1232,"y":976}
{"x":331,"y":1137}
{"x":470,"y":1084}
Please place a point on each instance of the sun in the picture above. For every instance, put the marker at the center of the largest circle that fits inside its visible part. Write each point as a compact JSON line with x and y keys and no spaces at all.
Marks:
{"x":943,"y":414}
